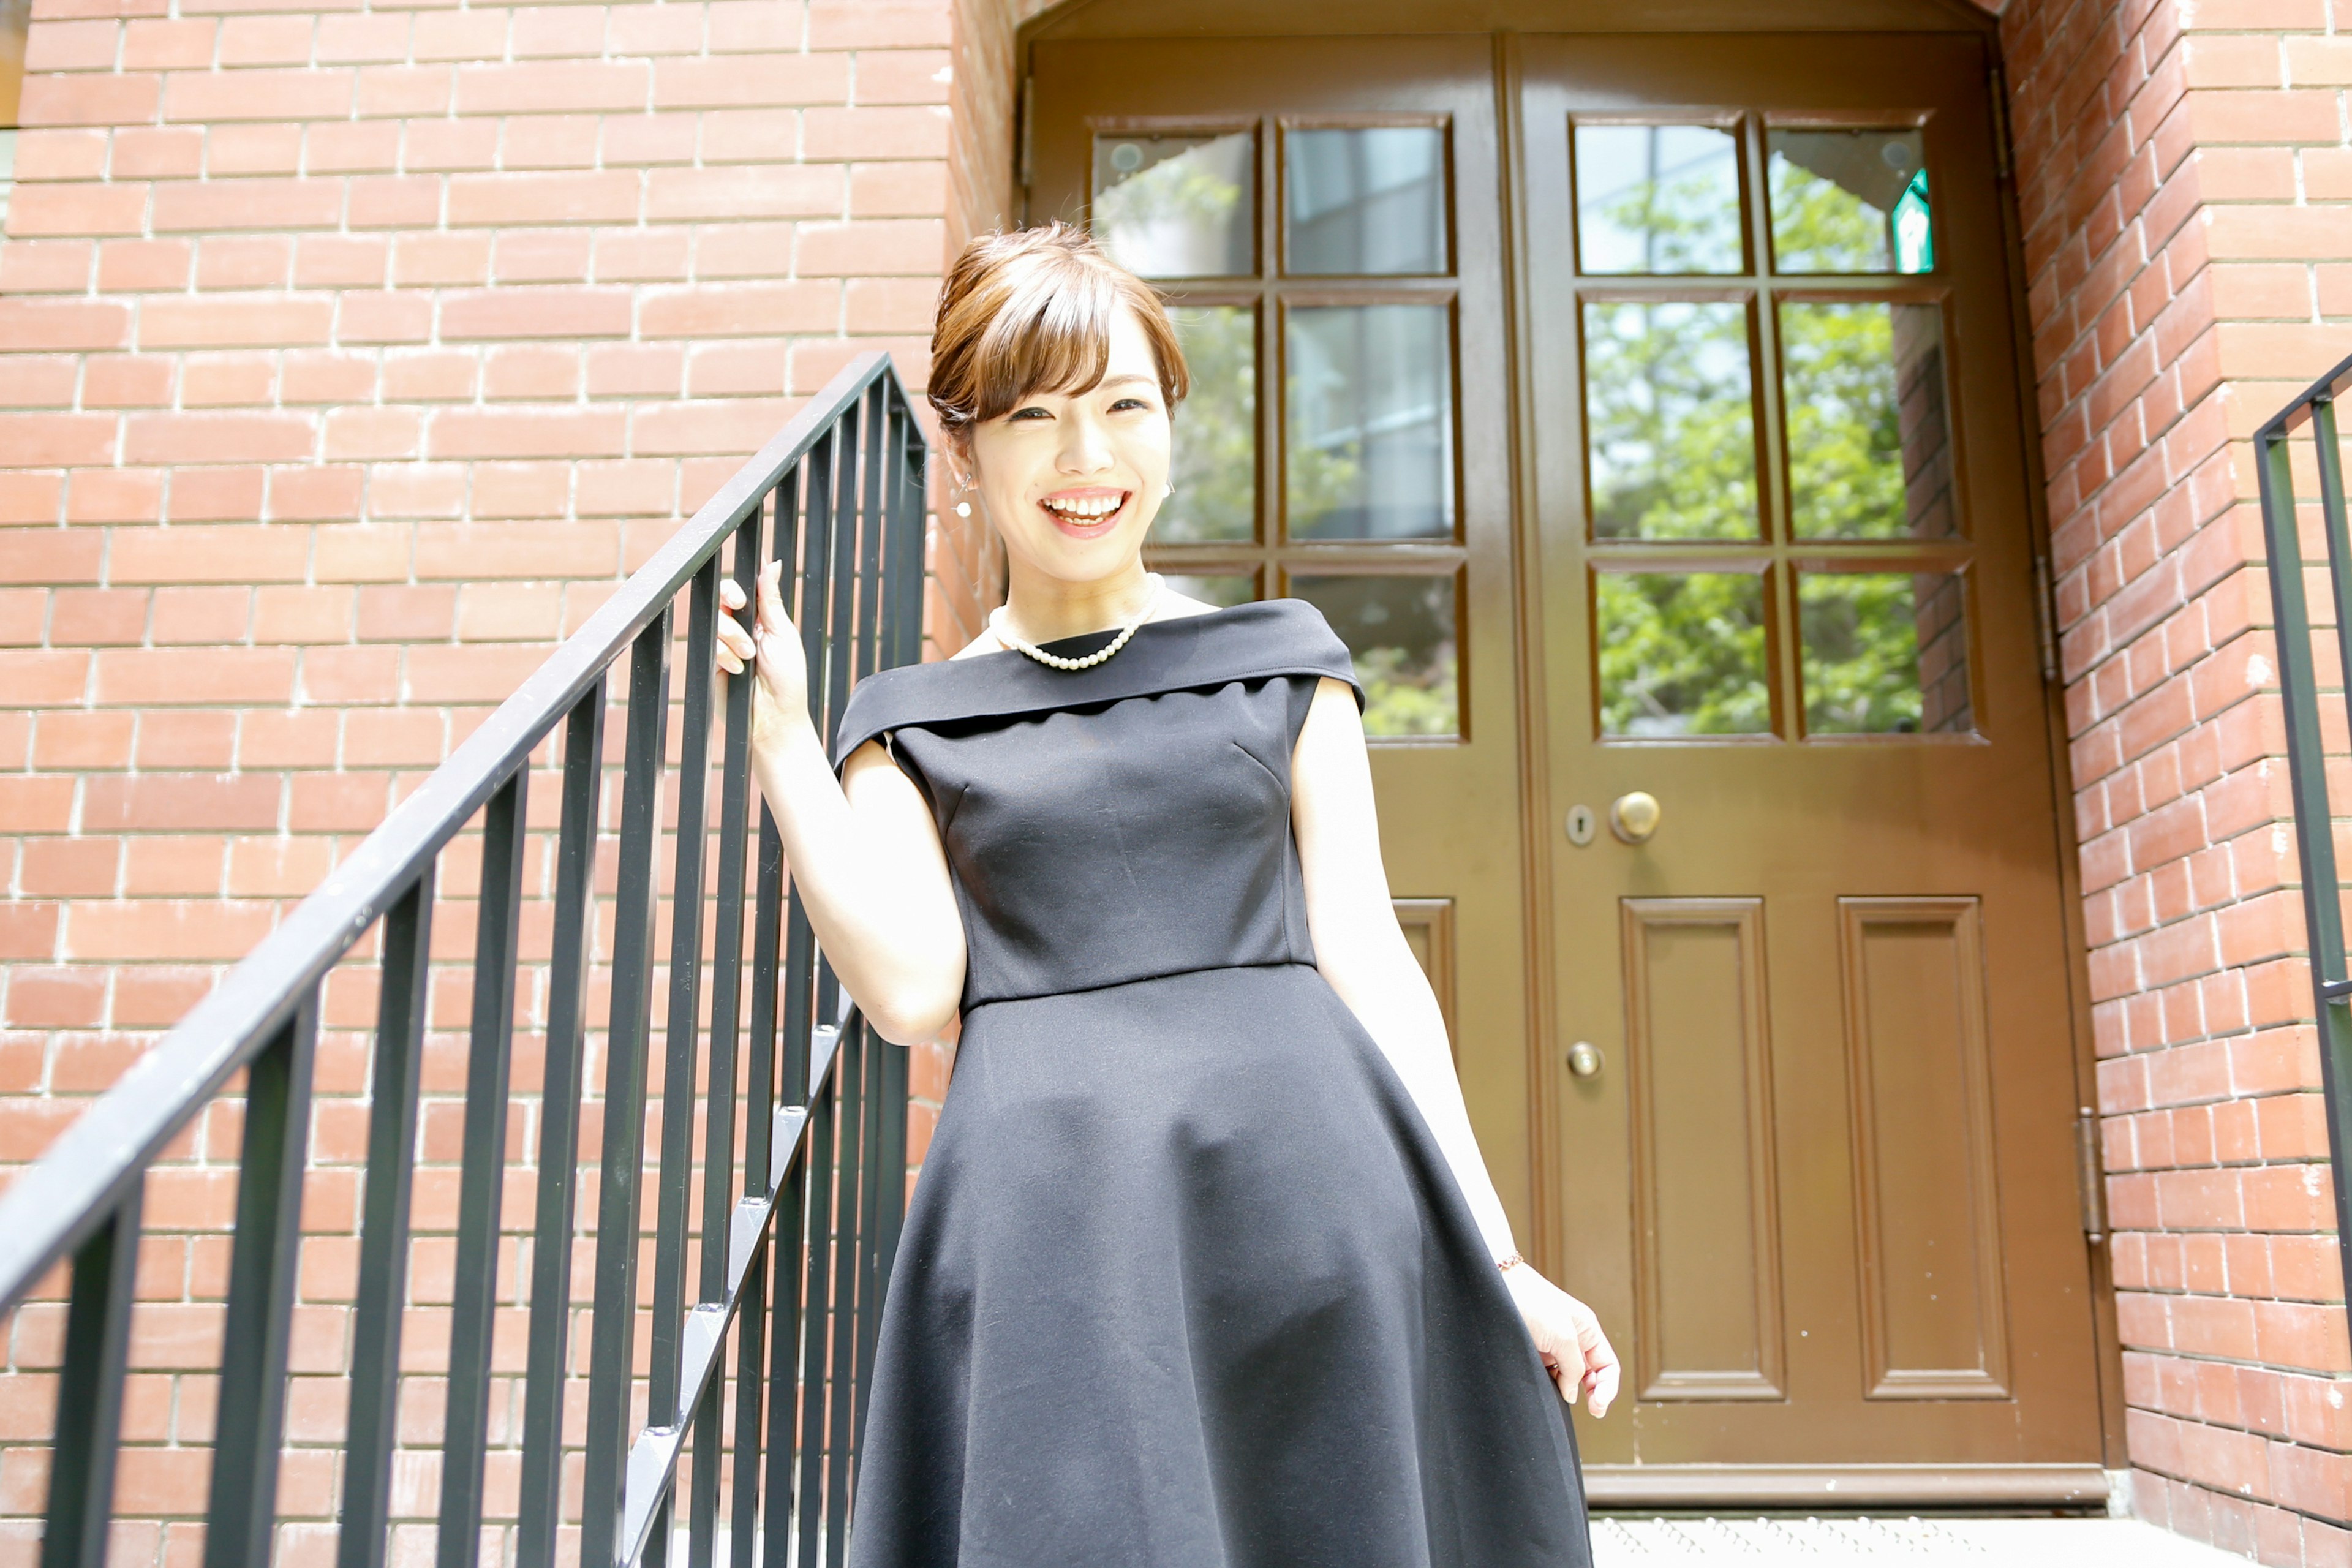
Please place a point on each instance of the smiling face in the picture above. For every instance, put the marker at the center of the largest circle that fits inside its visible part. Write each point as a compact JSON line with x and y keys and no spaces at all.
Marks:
{"x":1072,"y":479}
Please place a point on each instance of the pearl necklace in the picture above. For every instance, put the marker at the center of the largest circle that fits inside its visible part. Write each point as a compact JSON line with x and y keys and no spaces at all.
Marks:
{"x":996,"y":626}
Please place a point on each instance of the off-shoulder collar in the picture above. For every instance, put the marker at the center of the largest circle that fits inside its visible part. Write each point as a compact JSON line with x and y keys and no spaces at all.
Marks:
{"x":1255,"y":641}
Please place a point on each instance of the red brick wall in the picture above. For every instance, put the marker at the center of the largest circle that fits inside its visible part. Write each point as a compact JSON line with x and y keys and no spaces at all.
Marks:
{"x":350,"y":353}
{"x":2181,"y":176}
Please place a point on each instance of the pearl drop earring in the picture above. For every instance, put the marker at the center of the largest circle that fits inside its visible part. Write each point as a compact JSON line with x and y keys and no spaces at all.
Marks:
{"x":1166,"y":488}
{"x":963,"y":485}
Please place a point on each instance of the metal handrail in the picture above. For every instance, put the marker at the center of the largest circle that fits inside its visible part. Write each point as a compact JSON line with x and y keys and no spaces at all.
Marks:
{"x":2322,"y":889}
{"x":824,"y":1128}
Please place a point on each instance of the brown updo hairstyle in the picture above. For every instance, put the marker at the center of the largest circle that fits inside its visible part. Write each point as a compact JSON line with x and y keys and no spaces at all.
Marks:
{"x":1031,"y":311}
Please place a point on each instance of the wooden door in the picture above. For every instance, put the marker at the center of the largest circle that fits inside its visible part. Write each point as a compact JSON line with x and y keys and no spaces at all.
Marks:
{"x":1326,"y":218}
{"x":1820,"y":1177}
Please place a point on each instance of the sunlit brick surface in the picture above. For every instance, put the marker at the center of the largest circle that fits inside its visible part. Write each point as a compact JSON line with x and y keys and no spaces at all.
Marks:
{"x":2181,"y":174}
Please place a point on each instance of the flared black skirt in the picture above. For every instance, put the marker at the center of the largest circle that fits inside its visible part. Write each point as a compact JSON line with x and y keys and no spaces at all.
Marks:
{"x":1186,"y":1283}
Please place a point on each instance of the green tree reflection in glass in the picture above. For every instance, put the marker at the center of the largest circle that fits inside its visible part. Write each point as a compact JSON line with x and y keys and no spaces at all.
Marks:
{"x":1214,"y":469}
{"x":1668,"y":408}
{"x":1681,"y":653}
{"x":1861,"y":636}
{"x":1400,"y":633}
{"x":1869,"y":440}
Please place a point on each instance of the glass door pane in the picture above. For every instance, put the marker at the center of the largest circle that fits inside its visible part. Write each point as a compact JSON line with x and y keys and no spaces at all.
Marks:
{"x":1215,"y":465}
{"x":1370,"y":422}
{"x":1682,"y":654}
{"x":1850,"y":200}
{"x":1870,"y":442}
{"x":1365,"y":202}
{"x":1401,"y":633}
{"x":1657,"y":199}
{"x":1669,"y":419}
{"x":1178,"y":206}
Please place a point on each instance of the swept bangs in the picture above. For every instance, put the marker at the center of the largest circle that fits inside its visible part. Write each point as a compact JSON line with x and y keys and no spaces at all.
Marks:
{"x":1032,"y":312}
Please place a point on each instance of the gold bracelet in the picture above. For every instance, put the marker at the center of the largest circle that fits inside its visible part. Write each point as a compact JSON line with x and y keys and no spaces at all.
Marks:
{"x":1508,"y":1264}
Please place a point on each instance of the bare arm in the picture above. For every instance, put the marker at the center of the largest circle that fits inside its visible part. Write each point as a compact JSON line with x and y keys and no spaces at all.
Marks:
{"x":863,"y":851}
{"x":1363,"y":952}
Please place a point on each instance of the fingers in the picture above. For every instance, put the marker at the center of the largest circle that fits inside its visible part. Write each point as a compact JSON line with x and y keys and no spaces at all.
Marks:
{"x":1600,"y":1375}
{"x":731,"y":594}
{"x":737,"y":647}
{"x":771,"y":598}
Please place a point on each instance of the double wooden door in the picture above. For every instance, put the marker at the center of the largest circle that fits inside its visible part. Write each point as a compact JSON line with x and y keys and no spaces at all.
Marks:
{"x":1665,"y":478}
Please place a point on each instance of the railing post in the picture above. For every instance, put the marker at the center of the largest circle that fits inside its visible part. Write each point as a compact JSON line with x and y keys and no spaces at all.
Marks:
{"x":682,"y":1031}
{"x":548,"y":1360}
{"x":719,"y":1122}
{"x":250,"y":1419}
{"x":613,"y":1330}
{"x":378,"y":1315}
{"x":89,"y":1390}
{"x":481,"y":1177}
{"x":760,"y":1073}
{"x":2308,"y":780}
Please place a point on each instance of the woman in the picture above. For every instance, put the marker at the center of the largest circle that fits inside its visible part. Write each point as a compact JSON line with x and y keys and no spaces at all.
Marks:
{"x":1204,"y":1270}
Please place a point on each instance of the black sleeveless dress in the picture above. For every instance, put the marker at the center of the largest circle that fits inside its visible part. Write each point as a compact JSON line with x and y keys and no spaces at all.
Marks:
{"x":1186,"y":1282}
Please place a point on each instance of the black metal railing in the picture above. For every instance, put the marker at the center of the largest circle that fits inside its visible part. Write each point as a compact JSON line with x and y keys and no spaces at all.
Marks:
{"x":794,"y":1256}
{"x":2299,"y":676}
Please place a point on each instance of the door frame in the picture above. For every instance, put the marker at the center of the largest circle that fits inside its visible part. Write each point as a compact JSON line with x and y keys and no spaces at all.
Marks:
{"x":1506,"y":22}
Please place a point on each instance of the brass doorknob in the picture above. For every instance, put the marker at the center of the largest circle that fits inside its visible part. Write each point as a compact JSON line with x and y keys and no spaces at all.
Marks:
{"x":1634,"y":818}
{"x":1584,"y":1059}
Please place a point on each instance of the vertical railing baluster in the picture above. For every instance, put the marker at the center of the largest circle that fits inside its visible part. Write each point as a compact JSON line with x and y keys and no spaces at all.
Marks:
{"x":613,"y":1330}
{"x":548,"y":1359}
{"x":482,"y":1175}
{"x":798,"y":1311}
{"x":875,"y":1179}
{"x":760,"y":1092}
{"x":250,"y":1417}
{"x":89,"y":1431}
{"x":873,"y":478}
{"x":840,"y":611}
{"x":378,"y":1313}
{"x":842,"y":1328}
{"x":725,"y":1007}
{"x":859,"y":1133}
{"x":892,"y":1163}
{"x":906,"y":538}
{"x":681,"y":1033}
{"x":2307,"y":767}
{"x":813,"y":1512}
{"x":906,"y":548}
{"x":785,"y":1251}
{"x":2335,"y":1012}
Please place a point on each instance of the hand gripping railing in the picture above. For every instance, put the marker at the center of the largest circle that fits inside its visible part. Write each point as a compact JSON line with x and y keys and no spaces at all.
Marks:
{"x":2307,"y":761}
{"x":793,"y":1263}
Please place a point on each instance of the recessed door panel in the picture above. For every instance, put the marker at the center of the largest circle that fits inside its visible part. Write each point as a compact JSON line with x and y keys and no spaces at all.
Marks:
{"x":1705,"y":1235}
{"x":1927,"y":1196}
